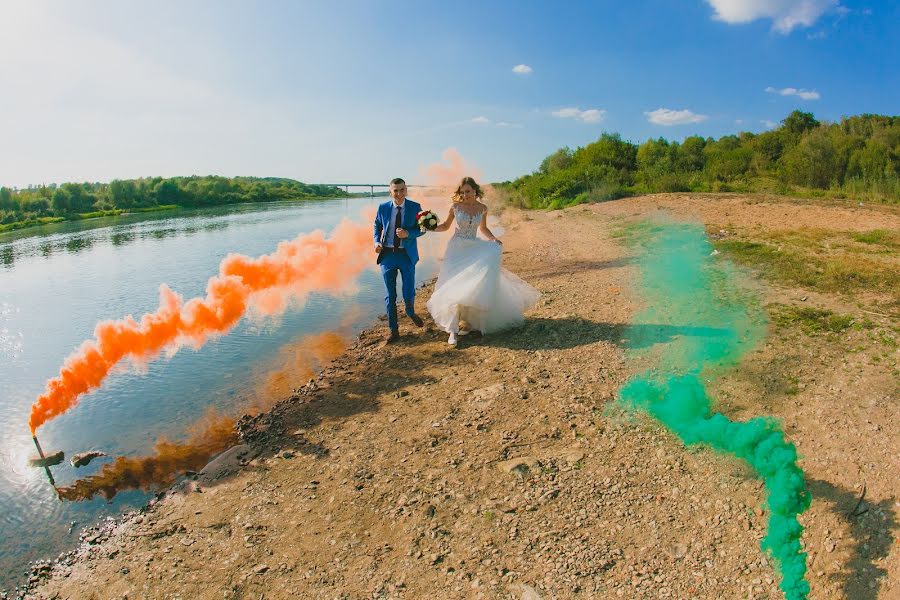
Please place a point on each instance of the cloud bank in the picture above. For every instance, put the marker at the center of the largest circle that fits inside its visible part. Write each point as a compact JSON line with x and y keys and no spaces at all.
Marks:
{"x":591,"y":115}
{"x":668,"y":117}
{"x":786,"y":15}
{"x":801,"y":93}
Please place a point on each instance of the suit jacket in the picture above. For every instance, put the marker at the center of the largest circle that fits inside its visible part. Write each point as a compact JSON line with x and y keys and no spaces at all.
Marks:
{"x":383,"y":217}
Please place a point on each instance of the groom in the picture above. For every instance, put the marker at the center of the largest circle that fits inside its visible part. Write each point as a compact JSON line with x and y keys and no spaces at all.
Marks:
{"x":395,"y":242}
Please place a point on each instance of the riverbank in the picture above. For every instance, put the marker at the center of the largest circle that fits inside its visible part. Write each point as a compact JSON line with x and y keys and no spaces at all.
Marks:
{"x":503,"y":470}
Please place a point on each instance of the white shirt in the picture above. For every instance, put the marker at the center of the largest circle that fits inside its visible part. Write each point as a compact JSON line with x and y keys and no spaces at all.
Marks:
{"x":390,"y":240}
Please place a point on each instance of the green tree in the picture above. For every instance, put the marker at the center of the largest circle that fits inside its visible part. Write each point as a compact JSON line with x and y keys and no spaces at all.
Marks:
{"x":6,"y":199}
{"x":558,"y":161}
{"x":610,"y":150}
{"x":798,"y":122}
{"x":690,"y":157}
{"x":813,"y":162}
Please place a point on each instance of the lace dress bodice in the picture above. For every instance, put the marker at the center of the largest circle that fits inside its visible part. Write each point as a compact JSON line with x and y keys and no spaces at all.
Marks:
{"x":467,"y":221}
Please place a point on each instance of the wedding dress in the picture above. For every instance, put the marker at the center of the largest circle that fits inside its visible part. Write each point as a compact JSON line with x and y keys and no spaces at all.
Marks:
{"x":472,"y":286}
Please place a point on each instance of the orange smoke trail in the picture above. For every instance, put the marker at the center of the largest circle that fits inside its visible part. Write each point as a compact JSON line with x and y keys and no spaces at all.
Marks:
{"x":442,"y":175}
{"x":214,"y":433}
{"x":307,"y":263}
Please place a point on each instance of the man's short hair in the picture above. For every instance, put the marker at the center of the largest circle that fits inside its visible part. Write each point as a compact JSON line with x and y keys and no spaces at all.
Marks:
{"x":397,"y":181}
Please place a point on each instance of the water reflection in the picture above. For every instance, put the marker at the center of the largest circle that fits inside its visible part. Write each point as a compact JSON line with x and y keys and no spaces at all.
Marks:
{"x":216,"y":226}
{"x":77,"y":244}
{"x":160,"y":234}
{"x":76,"y":236}
{"x":120,"y":238}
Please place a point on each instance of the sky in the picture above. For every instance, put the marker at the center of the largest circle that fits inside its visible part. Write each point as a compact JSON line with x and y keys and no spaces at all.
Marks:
{"x":361,"y":91}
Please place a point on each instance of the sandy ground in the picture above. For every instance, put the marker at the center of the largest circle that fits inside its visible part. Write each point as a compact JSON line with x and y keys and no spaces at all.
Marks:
{"x":503,"y":469}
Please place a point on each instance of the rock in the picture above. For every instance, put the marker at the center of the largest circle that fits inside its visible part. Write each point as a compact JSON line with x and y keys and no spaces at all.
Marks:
{"x":519,"y":466}
{"x":286,"y":454}
{"x":260,"y":569}
{"x":48,"y":461}
{"x":84,"y":458}
{"x":527,"y":592}
{"x":573,"y":456}
{"x":677,"y":551}
{"x":223,"y":465}
{"x":487,"y":394}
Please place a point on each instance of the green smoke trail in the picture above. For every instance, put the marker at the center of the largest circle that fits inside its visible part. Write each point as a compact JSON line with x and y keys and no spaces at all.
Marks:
{"x":699,"y":321}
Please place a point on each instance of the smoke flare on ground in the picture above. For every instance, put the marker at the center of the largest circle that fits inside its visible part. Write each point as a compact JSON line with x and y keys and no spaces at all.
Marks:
{"x":215,"y":432}
{"x":684,"y":287}
{"x":310,"y":262}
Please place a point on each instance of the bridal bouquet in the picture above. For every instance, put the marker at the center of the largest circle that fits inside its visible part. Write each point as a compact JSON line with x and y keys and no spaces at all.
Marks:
{"x":427,"y":221}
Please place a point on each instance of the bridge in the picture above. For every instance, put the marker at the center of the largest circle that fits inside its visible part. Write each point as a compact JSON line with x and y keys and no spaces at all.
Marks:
{"x":346,"y":186}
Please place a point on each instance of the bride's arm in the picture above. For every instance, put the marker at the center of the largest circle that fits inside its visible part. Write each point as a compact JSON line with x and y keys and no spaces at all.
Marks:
{"x":484,"y":228}
{"x":447,"y":222}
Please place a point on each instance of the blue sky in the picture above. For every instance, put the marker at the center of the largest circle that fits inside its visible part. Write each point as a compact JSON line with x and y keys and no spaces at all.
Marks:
{"x":360,"y":91}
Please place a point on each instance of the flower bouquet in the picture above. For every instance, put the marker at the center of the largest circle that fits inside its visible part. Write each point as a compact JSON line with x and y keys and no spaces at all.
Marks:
{"x":427,"y":221}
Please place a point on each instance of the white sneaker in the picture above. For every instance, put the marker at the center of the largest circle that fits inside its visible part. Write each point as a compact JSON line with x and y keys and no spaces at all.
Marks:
{"x":452,"y":341}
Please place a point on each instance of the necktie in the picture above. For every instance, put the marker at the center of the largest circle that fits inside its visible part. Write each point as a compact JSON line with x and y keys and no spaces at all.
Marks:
{"x":397,"y":221}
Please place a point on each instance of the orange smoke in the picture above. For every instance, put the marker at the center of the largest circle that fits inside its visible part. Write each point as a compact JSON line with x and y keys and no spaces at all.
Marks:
{"x":267,"y":284}
{"x":441,"y":175}
{"x":214,"y":433}
{"x":296,"y":363}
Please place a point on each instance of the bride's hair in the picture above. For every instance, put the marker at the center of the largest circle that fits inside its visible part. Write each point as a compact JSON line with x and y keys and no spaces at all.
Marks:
{"x":471,"y":183}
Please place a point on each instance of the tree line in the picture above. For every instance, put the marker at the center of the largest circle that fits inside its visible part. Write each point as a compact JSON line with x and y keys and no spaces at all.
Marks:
{"x":858,"y":157}
{"x":51,"y":203}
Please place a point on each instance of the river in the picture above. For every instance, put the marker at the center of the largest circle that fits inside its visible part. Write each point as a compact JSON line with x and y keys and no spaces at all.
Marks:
{"x":58,"y":281}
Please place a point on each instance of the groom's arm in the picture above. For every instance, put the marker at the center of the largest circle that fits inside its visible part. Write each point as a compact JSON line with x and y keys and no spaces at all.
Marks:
{"x":376,"y":233}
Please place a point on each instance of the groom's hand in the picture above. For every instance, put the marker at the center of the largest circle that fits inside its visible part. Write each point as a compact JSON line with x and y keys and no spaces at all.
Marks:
{"x":377,"y":248}
{"x":402,"y":233}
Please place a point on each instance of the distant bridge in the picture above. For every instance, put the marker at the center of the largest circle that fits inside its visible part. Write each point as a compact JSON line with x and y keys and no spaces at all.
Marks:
{"x":371,"y":186}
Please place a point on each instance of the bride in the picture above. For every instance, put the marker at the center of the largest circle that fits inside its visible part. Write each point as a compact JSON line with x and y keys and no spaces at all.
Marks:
{"x":472,"y":288}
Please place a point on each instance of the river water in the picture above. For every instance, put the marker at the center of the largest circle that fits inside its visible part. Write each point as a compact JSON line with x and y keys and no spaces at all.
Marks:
{"x":58,"y":281}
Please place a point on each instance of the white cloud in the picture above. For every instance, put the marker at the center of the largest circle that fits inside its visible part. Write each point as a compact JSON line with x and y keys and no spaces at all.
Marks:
{"x":786,"y":15}
{"x":480,"y":120}
{"x":801,"y":93}
{"x":507,"y":124}
{"x":522,"y":70}
{"x":591,"y":115}
{"x":668,"y":117}
{"x":738,"y":121}
{"x":769,"y":124}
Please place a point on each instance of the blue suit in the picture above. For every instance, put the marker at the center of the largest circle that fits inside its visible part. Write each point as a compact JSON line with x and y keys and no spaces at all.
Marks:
{"x":392,"y":262}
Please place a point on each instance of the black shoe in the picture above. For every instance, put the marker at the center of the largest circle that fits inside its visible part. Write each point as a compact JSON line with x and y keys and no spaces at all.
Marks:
{"x":417,"y":320}
{"x":393,"y":337}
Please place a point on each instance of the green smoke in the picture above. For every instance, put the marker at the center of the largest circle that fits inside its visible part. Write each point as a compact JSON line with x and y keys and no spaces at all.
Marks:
{"x":699,"y":321}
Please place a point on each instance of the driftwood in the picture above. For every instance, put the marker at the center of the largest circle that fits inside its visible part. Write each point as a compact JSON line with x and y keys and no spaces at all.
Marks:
{"x":47,"y":461}
{"x":83,"y":458}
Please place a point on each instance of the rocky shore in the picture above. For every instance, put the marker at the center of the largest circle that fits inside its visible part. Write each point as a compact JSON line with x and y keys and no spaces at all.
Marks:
{"x":504,"y":468}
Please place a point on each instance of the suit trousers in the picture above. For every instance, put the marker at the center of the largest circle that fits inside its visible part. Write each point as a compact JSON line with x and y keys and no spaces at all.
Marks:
{"x":391,"y":264}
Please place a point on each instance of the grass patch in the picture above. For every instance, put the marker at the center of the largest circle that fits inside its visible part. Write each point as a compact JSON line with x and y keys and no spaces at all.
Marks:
{"x":881,"y":237}
{"x":801,"y":261}
{"x":30,"y":223}
{"x":154,"y":208}
{"x":112,"y":212}
{"x":809,"y":319}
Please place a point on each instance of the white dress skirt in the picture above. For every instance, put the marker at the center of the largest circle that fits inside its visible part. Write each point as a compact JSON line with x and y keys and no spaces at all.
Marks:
{"x":473,"y":287}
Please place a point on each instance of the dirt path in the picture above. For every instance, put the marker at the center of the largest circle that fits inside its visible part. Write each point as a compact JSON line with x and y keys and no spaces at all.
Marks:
{"x":499,"y":470}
